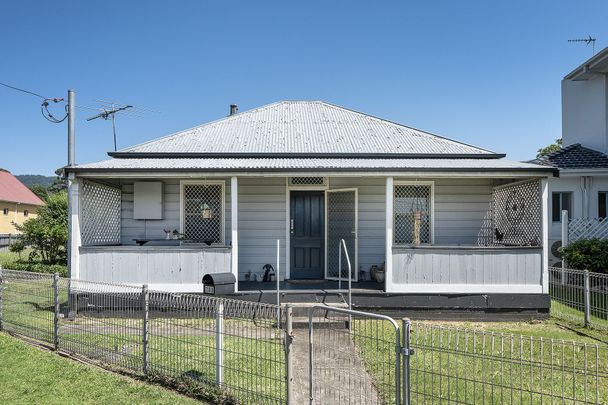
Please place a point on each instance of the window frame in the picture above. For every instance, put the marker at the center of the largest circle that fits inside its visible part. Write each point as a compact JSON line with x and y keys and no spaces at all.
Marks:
{"x":605,"y":204}
{"x":431,"y":184}
{"x":561,"y":205}
{"x":221,"y":183}
{"x":26,"y":213}
{"x":6,"y":211}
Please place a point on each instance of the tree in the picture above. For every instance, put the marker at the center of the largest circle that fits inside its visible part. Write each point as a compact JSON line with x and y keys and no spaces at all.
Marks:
{"x":554,"y":147}
{"x":47,"y":234}
{"x":40,"y":190}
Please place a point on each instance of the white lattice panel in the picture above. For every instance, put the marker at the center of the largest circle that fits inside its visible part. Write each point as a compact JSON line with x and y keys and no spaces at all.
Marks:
{"x":581,"y":228}
{"x":307,"y":181}
{"x":100,"y":214}
{"x":412,"y":207}
{"x":203,"y":210}
{"x":517,"y":215}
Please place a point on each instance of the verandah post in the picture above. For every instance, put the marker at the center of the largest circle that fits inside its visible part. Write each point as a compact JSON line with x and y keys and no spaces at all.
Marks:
{"x":145,"y":296}
{"x":587,"y":299}
{"x":56,"y":311}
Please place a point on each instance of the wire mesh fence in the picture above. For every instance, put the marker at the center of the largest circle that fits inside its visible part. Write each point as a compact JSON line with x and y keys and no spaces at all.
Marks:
{"x":579,"y":296}
{"x":237,"y":349}
{"x":467,"y":366}
{"x":227,"y":348}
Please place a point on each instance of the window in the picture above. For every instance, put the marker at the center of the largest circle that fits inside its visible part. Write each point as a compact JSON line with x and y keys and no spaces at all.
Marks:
{"x":202,"y":211}
{"x":26,"y":213}
{"x":307,"y":181}
{"x":601,"y":204}
{"x":413,"y":213}
{"x":561,"y":201}
{"x":5,"y":211}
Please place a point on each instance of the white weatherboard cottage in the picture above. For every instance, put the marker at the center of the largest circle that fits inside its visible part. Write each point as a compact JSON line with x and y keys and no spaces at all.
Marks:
{"x":439,"y":216}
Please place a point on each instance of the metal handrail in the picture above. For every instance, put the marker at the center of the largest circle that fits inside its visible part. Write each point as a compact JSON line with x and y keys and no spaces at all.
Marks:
{"x":350,"y":272}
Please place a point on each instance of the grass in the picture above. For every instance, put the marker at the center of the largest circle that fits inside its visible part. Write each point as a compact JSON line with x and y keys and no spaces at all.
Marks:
{"x":14,"y":261}
{"x":490,"y":362}
{"x":30,"y":375}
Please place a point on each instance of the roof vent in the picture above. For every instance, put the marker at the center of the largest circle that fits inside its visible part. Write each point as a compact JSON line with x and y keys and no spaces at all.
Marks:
{"x":233,"y":109}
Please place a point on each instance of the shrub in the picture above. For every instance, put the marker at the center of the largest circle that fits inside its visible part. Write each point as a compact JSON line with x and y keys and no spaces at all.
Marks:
{"x":47,"y":234}
{"x":587,"y":254}
{"x":36,"y":267}
{"x":17,"y":247}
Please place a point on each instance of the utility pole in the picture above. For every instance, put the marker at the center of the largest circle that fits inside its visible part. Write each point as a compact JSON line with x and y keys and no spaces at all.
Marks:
{"x":71,"y":128}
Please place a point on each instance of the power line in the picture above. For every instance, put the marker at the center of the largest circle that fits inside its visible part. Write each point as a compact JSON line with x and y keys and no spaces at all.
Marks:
{"x":44,"y":107}
{"x":22,"y":90}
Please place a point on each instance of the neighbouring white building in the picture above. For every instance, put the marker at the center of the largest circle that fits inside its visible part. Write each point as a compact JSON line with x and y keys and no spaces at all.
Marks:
{"x":582,"y":185}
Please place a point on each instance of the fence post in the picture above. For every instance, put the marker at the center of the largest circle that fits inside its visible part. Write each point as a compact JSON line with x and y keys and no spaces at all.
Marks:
{"x":219,"y":344}
{"x":565,"y":229}
{"x":1,"y":293}
{"x":587,"y":299}
{"x":288,"y":355}
{"x":145,"y":297}
{"x":56,"y":311}
{"x":407,"y":352}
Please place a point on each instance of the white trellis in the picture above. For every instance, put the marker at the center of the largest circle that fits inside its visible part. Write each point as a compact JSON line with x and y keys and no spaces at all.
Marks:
{"x":587,"y":228}
{"x":100,"y":211}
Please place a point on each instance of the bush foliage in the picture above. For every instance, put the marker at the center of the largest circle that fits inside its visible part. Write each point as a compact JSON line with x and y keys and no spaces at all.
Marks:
{"x":47,"y":234}
{"x":587,"y":254}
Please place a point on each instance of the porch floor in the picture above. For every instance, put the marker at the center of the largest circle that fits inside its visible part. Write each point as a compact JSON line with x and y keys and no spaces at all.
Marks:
{"x":308,"y":285}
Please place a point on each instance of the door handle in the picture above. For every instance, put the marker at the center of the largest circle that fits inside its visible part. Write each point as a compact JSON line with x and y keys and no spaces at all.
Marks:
{"x":291,"y":226}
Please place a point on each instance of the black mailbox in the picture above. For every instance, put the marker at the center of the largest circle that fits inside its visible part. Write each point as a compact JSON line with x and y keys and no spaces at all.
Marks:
{"x":218,"y":283}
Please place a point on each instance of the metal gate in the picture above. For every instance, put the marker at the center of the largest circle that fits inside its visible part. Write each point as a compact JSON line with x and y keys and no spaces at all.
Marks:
{"x":355,"y":357}
{"x":342,"y":223}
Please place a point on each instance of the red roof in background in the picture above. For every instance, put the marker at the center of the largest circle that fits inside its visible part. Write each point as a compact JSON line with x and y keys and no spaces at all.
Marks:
{"x":12,"y":190}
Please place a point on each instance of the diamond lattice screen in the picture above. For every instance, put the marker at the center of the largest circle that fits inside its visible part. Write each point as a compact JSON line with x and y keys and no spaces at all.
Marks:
{"x":518,"y":214}
{"x":341,"y":224}
{"x":307,"y":181}
{"x":100,"y":208}
{"x":412,"y":214}
{"x":204,"y":212}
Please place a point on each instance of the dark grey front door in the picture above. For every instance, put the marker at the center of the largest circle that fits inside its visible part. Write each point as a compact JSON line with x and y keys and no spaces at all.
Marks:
{"x":307,"y":234}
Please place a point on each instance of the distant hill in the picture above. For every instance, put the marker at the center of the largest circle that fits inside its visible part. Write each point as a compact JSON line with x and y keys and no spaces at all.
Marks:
{"x":30,"y":179}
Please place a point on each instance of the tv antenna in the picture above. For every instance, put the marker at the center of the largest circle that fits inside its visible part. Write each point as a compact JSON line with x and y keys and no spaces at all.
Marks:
{"x":587,"y":41}
{"x":109,"y":109}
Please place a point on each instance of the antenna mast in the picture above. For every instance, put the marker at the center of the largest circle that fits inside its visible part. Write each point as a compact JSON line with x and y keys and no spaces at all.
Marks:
{"x":587,"y":41}
{"x":111,"y":114}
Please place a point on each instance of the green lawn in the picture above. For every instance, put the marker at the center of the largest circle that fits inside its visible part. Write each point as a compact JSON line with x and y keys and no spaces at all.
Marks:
{"x":30,"y":375}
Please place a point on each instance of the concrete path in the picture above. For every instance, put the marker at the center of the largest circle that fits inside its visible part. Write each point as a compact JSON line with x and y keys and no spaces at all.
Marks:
{"x":339,"y":374}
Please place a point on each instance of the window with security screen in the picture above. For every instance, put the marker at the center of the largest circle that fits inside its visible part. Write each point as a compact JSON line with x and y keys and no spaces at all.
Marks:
{"x":413,"y":214}
{"x":203,"y":212}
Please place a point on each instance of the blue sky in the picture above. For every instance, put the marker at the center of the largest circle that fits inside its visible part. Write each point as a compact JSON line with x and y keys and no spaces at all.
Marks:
{"x":482,"y":72}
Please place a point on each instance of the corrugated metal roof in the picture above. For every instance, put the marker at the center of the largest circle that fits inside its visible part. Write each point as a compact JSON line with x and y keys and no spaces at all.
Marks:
{"x":12,"y":190}
{"x":311,"y":164}
{"x":307,"y":128}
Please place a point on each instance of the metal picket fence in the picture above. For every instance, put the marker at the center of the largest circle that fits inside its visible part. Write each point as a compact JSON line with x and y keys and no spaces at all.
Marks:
{"x":226,"y":348}
{"x":579,"y":296}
